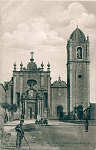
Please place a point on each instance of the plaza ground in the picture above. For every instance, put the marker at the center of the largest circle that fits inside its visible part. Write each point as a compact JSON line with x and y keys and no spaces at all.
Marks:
{"x":56,"y":136}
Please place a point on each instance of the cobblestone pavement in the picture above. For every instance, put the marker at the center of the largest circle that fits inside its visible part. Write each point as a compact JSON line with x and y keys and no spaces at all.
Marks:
{"x":56,"y":136}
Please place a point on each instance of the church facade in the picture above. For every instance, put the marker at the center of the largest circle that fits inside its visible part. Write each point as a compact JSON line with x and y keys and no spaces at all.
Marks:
{"x":35,"y":96}
{"x":32,"y":91}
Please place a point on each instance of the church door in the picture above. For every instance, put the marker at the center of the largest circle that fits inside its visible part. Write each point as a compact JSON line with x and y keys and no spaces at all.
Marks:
{"x":60,"y":112}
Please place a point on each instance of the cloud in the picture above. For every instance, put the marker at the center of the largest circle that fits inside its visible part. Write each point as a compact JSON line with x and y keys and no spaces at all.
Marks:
{"x":27,"y":24}
{"x":73,"y":11}
{"x":78,"y":15}
{"x":31,"y":33}
{"x":74,"y":14}
{"x":15,"y":12}
{"x":42,"y":31}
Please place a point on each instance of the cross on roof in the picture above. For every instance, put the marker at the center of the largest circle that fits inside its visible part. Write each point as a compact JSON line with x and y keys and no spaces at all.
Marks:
{"x":32,"y":59}
{"x":32,"y":54}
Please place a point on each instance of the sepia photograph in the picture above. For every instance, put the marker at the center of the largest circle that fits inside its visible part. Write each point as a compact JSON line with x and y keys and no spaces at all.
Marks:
{"x":47,"y":75}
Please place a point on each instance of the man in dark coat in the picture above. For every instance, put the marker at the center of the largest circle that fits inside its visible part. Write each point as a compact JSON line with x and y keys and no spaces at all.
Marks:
{"x":86,"y":124}
{"x":20,"y":134}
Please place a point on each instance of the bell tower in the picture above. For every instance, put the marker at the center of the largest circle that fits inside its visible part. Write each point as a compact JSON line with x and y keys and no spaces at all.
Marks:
{"x":78,"y":82}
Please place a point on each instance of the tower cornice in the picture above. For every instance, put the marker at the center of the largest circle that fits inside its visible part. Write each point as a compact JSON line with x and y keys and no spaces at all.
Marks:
{"x":78,"y":61}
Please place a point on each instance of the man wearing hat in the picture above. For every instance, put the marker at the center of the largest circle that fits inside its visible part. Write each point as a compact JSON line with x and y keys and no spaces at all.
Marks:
{"x":20,"y":133}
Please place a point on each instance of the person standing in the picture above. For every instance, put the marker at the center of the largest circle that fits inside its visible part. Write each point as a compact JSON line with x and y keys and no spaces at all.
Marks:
{"x":20,"y":134}
{"x":86,"y":124}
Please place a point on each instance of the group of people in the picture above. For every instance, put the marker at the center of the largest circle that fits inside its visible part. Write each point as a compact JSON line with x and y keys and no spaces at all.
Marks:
{"x":42,"y":121}
{"x":86,"y":125}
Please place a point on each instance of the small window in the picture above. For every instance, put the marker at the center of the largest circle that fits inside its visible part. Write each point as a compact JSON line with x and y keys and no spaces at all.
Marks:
{"x":79,"y":53}
{"x":79,"y":76}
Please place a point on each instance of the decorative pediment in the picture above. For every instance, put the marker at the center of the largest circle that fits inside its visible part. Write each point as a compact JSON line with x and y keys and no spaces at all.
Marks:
{"x":30,"y":94}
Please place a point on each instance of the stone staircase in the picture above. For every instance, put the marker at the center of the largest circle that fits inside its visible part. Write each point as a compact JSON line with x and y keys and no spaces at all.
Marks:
{"x":9,"y":143}
{"x":9,"y":139}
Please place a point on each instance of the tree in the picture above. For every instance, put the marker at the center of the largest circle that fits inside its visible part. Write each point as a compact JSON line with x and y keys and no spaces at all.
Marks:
{"x":5,"y":106}
{"x":12,"y":108}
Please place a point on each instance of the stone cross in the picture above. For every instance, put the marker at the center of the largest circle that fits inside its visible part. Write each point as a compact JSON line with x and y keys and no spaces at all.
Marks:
{"x":32,"y":55}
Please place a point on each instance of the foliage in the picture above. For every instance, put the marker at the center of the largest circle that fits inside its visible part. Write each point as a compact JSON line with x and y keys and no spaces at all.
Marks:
{"x":5,"y":105}
{"x":12,"y":108}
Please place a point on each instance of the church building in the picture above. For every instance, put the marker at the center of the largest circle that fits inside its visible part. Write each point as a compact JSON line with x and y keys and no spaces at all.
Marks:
{"x":31,"y":90}
{"x":35,"y":96}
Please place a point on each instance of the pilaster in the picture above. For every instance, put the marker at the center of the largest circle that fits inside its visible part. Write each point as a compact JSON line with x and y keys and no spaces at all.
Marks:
{"x":48,"y":87}
{"x":14,"y":89}
{"x":21,"y":83}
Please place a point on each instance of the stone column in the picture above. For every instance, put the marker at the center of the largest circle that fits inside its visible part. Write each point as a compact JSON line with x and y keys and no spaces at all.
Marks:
{"x":42,"y":107}
{"x":21,"y":83}
{"x":21,"y":89}
{"x":14,"y":90}
{"x":26,"y":110}
{"x":48,"y":86}
{"x":11,"y":93}
{"x":75,"y":95}
{"x":38,"y":107}
{"x":42,"y":80}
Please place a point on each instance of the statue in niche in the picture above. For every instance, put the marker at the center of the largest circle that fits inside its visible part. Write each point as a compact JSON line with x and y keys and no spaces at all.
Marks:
{"x":79,"y":53}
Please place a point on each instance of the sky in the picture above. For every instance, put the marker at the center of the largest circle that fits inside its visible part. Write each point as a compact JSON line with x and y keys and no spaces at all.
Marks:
{"x":44,"y":28}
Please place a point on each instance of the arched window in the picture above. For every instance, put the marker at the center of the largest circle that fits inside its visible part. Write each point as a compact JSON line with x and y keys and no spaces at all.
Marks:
{"x":79,"y":53}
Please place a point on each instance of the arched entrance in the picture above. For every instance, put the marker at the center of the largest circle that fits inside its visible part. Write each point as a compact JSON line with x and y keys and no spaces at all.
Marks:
{"x":60,"y":112}
{"x":29,"y":101}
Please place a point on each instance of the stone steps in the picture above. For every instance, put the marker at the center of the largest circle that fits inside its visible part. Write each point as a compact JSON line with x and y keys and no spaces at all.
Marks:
{"x":11,"y":144}
{"x":9,"y":148}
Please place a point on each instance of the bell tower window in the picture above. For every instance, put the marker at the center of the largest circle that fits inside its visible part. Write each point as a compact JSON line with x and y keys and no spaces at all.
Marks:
{"x":79,"y":53}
